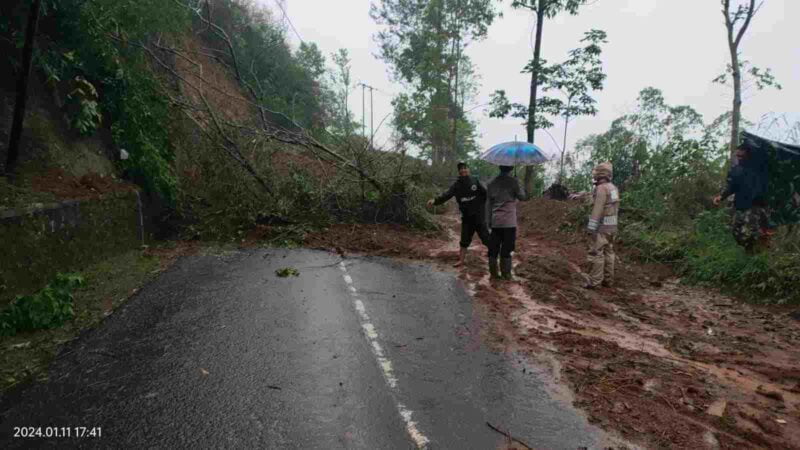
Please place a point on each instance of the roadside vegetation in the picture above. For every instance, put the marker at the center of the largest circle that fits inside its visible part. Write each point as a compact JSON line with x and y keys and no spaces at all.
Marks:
{"x":35,"y":327}
{"x":669,"y":164}
{"x":228,"y":128}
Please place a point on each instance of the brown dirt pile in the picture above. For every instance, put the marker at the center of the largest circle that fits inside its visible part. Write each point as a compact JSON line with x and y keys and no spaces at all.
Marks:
{"x":67,"y":187}
{"x":662,"y":364}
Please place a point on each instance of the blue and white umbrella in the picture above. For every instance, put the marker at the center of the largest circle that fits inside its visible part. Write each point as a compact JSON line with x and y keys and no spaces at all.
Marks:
{"x":516,"y":153}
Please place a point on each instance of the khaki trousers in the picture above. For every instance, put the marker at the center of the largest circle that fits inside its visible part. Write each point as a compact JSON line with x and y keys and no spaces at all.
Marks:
{"x":601,"y":258}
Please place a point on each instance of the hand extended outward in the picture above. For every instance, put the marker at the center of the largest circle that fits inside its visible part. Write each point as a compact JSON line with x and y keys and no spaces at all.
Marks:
{"x":430,"y":203}
{"x":717,"y":200}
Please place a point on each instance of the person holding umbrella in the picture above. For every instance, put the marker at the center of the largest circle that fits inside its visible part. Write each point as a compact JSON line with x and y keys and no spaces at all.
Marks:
{"x":470,"y":195}
{"x":504,"y":192}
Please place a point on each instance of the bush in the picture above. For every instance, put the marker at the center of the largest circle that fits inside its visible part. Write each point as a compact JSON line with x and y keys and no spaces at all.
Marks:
{"x":706,"y":253}
{"x":48,"y":308}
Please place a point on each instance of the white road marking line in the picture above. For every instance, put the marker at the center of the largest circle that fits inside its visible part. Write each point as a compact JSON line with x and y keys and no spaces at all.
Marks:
{"x":370,"y":331}
{"x":385,"y":364}
{"x":360,"y":308}
{"x":411,"y":426}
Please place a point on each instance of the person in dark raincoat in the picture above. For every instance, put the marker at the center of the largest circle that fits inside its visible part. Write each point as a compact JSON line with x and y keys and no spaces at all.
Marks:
{"x":470,"y":195}
{"x":747,"y":182}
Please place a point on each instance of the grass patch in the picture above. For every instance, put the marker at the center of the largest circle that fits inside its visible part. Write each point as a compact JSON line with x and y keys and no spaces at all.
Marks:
{"x":706,"y":253}
{"x":21,"y":197}
{"x":109,"y":283}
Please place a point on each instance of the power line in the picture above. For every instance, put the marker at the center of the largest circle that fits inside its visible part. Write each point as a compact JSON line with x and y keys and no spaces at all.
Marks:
{"x":286,"y":16}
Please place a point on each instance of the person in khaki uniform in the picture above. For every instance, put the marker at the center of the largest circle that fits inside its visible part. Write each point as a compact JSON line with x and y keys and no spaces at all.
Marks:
{"x":603,"y":227}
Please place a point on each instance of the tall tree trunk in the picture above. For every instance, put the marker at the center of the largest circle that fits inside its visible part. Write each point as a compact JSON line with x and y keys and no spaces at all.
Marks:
{"x":736,"y":115}
{"x":457,"y":45}
{"x":439,"y":102}
{"x":733,"y":47}
{"x":564,"y":146}
{"x":537,"y":53}
{"x":22,"y":88}
{"x":456,"y":112}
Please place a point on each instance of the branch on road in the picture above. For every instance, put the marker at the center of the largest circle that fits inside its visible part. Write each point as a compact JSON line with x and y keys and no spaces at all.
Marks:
{"x":509,"y":436}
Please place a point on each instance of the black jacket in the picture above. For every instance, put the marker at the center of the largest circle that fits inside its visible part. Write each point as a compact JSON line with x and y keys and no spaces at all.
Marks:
{"x":469,"y":193}
{"x":748,"y":184}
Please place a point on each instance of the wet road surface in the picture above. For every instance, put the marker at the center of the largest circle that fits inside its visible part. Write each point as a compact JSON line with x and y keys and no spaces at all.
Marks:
{"x":364,"y":353}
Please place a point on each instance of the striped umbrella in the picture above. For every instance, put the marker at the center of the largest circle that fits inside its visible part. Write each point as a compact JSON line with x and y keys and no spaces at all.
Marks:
{"x":517,"y":153}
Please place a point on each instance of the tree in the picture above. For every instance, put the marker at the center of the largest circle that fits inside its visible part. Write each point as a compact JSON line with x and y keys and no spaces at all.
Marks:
{"x":544,"y":9}
{"x":655,"y":137}
{"x":425,"y":43}
{"x":22,"y":87}
{"x":576,"y":78}
{"x":311,"y":59}
{"x":743,"y":14}
{"x":312,"y":62}
{"x":341,"y":82}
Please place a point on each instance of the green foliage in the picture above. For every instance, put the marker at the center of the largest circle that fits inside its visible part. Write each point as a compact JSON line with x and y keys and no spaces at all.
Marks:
{"x":576,"y":77}
{"x":290,"y":84}
{"x":714,"y":255}
{"x":424,"y":43}
{"x":551,"y":7}
{"x":341,"y":121}
{"x":763,"y":78}
{"x":501,"y":107}
{"x":287,"y":272}
{"x":94,"y":43}
{"x":87,"y":117}
{"x":48,"y":308}
{"x":415,"y":196}
{"x":705,"y":252}
{"x":669,"y":165}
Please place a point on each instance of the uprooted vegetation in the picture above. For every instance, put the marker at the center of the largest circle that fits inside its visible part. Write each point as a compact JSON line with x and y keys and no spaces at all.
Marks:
{"x":225,"y":127}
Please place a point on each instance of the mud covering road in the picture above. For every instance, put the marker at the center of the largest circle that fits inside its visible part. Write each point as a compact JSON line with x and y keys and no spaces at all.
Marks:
{"x":220,"y":352}
{"x":663,"y":364}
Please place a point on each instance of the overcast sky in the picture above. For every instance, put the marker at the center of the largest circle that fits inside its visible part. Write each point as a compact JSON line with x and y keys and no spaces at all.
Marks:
{"x":677,"y":46}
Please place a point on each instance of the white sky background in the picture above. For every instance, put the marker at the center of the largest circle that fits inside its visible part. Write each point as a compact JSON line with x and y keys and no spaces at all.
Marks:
{"x":677,"y":46}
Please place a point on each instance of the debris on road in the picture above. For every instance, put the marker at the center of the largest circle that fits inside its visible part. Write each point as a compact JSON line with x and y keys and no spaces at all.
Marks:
{"x":663,"y":364}
{"x":511,"y":439}
{"x":287,"y":272}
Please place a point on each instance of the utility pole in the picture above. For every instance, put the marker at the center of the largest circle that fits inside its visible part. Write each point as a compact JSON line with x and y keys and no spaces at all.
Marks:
{"x":371,"y":115}
{"x":363,"y":124}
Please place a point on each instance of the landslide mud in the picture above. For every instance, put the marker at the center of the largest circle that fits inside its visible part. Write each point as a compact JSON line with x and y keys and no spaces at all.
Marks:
{"x":662,"y":364}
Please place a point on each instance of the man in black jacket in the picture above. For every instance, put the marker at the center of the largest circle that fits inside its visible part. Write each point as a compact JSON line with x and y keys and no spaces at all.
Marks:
{"x":470,"y":195}
{"x":747,"y":181}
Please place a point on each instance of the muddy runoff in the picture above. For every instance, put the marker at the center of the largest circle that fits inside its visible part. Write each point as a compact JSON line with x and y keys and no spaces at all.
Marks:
{"x":661,"y":364}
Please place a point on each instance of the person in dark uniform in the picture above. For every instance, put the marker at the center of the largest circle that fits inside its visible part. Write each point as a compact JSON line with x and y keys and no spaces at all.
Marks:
{"x":470,"y":195}
{"x":747,"y":182}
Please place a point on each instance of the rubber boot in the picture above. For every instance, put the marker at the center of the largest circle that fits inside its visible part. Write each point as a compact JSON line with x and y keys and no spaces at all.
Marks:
{"x":462,"y":257}
{"x":493,"y":268}
{"x":505,"y":268}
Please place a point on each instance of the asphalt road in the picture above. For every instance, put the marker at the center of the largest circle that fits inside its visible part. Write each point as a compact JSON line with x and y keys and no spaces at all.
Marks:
{"x":366,"y":353}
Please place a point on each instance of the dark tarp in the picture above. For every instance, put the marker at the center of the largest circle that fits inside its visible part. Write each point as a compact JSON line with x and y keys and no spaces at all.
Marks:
{"x":777,"y":165}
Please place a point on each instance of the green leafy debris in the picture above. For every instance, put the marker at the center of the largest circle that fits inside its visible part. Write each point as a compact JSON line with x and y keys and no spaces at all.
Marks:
{"x":287,"y":272}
